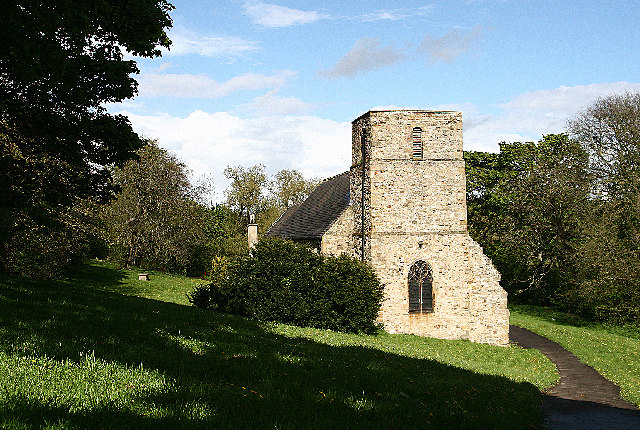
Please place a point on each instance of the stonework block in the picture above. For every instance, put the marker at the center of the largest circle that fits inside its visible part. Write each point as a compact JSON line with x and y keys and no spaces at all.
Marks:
{"x":414,"y":209}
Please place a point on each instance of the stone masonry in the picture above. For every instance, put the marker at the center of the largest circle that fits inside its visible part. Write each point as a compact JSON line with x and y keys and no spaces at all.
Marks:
{"x":403,"y":205}
{"x":414,"y":208}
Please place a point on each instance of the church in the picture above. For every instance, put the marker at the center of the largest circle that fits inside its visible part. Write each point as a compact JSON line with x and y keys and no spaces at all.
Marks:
{"x":402,"y":208}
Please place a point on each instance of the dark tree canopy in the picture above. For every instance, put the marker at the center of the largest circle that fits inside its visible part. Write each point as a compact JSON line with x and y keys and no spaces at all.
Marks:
{"x":60,"y":61}
{"x":561,"y":218}
{"x":525,"y":206}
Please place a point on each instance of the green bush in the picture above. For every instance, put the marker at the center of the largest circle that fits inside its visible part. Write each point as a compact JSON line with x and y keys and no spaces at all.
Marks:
{"x":200,"y":296}
{"x":279,"y":281}
{"x":44,"y":243}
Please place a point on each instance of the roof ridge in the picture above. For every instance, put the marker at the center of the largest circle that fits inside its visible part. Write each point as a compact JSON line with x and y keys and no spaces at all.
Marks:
{"x":334,"y":176}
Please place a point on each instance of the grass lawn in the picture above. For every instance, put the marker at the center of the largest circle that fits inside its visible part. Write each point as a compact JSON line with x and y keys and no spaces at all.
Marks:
{"x":101,"y":349}
{"x":612,"y":351}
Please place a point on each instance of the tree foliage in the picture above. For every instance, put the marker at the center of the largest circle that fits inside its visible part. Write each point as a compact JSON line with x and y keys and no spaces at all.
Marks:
{"x":561,"y":218}
{"x":525,"y":206}
{"x":251,"y":192}
{"x":609,"y":130}
{"x":289,"y":187}
{"x":247,"y":193}
{"x":60,"y":61}
{"x":155,"y":220}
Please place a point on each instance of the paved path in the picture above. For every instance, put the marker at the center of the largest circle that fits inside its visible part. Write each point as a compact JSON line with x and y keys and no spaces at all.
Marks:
{"x":582,"y":399}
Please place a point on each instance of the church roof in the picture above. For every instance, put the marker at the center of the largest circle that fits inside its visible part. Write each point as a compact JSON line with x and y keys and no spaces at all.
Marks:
{"x":313,"y":217}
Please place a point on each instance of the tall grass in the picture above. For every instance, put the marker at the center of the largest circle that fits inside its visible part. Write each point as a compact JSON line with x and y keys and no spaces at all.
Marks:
{"x":79,"y":354}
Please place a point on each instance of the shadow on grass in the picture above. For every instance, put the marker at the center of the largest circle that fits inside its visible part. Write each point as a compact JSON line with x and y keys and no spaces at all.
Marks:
{"x":223,"y":371}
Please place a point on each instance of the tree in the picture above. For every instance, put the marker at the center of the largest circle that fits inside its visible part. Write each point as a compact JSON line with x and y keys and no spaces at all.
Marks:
{"x":246,"y":194}
{"x":609,"y":130}
{"x":155,"y":220}
{"x":525,"y":207}
{"x":252,"y":193}
{"x":226,"y":234}
{"x":289,"y":187}
{"x":60,"y":61}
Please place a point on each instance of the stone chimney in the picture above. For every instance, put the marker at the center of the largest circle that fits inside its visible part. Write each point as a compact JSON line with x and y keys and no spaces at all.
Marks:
{"x":252,"y":231}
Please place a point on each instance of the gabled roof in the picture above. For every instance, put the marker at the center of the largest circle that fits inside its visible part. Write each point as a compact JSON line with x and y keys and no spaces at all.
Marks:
{"x":313,"y":217}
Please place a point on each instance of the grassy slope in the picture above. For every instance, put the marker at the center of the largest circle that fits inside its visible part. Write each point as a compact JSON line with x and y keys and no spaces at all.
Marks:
{"x":76,"y":354}
{"x":614,"y":352}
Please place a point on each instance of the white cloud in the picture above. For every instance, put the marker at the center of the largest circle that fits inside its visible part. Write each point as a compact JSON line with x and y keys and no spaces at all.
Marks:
{"x":395,"y":14}
{"x":530,"y":115}
{"x":271,"y":104}
{"x":208,"y":143}
{"x":568,"y":98}
{"x":271,"y":15}
{"x":366,"y":54}
{"x":125,"y":104}
{"x":201,"y":86}
{"x":164,"y":66}
{"x":318,"y":147}
{"x":450,"y":46}
{"x":185,"y":42}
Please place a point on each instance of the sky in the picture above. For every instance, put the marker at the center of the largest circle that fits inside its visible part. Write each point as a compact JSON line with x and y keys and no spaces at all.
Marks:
{"x":279,"y":82}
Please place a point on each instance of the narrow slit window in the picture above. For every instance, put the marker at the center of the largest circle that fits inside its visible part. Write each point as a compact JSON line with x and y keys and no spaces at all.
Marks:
{"x":420,"y":288}
{"x":416,"y":137}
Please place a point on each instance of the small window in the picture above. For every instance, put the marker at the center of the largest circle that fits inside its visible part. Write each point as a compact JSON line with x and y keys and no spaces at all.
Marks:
{"x":420,"y":288}
{"x":416,"y":137}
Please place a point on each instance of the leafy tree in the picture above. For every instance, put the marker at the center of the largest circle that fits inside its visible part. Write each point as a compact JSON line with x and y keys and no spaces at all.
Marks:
{"x":252,"y":193}
{"x":225,"y":232}
{"x":155,"y":220}
{"x":60,"y":61}
{"x":609,"y":130}
{"x":289,"y":187}
{"x":525,"y":207}
{"x":246,"y":194}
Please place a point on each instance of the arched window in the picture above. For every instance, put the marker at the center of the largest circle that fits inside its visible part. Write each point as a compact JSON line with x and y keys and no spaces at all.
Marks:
{"x":420,"y":287}
{"x":416,"y":137}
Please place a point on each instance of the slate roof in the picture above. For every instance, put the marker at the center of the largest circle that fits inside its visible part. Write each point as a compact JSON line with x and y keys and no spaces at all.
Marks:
{"x":313,"y":217}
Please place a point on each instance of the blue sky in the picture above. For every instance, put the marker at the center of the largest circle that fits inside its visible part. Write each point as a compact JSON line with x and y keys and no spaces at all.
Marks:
{"x":278,"y":82}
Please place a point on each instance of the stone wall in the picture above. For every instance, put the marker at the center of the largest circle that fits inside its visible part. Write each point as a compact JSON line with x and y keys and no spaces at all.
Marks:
{"x":339,"y":238}
{"x":416,"y":210}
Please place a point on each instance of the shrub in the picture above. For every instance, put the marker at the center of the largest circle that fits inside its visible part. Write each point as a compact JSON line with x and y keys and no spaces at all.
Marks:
{"x":200,"y":296}
{"x":279,"y":281}
{"x":353,"y":291}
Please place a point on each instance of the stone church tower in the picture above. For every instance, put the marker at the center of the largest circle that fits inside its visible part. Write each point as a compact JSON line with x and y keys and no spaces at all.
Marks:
{"x":410,"y":223}
{"x":402,"y":208}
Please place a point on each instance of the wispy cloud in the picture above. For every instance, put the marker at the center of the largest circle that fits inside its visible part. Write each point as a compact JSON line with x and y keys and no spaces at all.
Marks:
{"x":201,"y":86}
{"x":272,"y":15}
{"x":450,"y":46}
{"x":530,"y":115}
{"x":395,"y":14}
{"x":185,"y":42}
{"x":367,"y":54}
{"x":271,"y":104}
